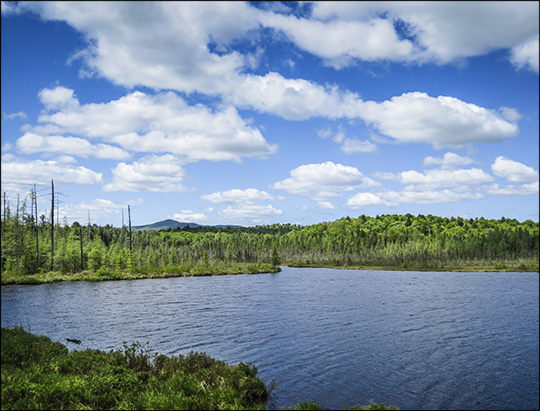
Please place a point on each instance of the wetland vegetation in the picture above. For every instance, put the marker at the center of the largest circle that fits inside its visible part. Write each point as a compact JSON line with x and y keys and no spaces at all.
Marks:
{"x":39,"y":374}
{"x":36,"y":251}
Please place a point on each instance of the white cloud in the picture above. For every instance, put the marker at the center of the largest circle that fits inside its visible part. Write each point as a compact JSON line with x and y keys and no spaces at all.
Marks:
{"x":153,"y":173}
{"x":340,"y":33}
{"x":394,"y":198}
{"x":510,"y":114}
{"x":31,"y":143}
{"x":291,"y":99}
{"x":361,"y":200}
{"x":442,"y":122}
{"x":324,"y":180}
{"x":507,"y":190}
{"x":513,"y":171}
{"x":327,"y":204}
{"x":239,"y":196}
{"x":351,"y":146}
{"x":58,"y":98}
{"x":20,"y":114}
{"x":244,"y":204}
{"x":41,"y":172}
{"x":348,"y":145}
{"x":161,"y":123}
{"x":525,"y":56}
{"x":431,"y":196}
{"x":169,"y":51}
{"x":448,"y":161}
{"x":339,"y":42}
{"x":129,"y":54}
{"x":444,"y":178}
{"x":246,"y":211}
{"x":189,"y":216}
{"x":440,"y":32}
{"x":99,"y":209}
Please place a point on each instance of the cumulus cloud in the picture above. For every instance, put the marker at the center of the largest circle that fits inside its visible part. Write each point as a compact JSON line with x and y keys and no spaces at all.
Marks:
{"x":394,"y":198}
{"x":513,"y":171}
{"x":324,"y":180}
{"x":525,"y":56}
{"x":189,"y":216}
{"x":247,"y":211}
{"x":160,"y":123}
{"x":348,"y":145}
{"x":327,"y":204}
{"x":153,"y":173}
{"x":130,"y":53}
{"x":98,"y":209}
{"x":443,"y":178}
{"x":244,"y":204}
{"x":291,"y":99}
{"x":361,"y":200}
{"x":123,"y":50}
{"x":31,"y":143}
{"x":58,"y":98}
{"x":337,"y":41}
{"x":204,"y":60}
{"x":448,"y":161}
{"x":440,"y":121}
{"x":41,"y":172}
{"x":507,"y":190}
{"x":438,"y":32}
{"x":20,"y":114}
{"x":239,"y":196}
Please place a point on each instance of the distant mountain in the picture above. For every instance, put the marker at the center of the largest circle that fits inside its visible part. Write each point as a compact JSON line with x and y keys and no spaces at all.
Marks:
{"x":173,"y":224}
{"x":164,"y":225}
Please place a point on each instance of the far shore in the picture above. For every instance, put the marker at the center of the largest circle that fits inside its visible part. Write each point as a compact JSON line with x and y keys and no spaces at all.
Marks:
{"x":88,"y":275}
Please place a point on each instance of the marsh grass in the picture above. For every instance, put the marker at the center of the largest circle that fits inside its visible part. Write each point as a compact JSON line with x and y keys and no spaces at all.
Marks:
{"x":38,"y":373}
{"x":103,"y":274}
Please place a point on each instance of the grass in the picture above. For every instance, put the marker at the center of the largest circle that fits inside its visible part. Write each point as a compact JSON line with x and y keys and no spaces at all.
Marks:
{"x":479,"y":266}
{"x":39,"y":374}
{"x":135,"y":274}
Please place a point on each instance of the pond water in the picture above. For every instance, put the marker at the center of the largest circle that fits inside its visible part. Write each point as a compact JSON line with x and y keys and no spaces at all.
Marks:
{"x":416,"y":340}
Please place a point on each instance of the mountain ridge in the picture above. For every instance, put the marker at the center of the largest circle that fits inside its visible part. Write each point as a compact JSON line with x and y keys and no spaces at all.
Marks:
{"x":173,"y":224}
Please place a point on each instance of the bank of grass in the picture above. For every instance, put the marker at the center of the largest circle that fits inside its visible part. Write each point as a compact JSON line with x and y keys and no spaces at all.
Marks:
{"x":39,"y":374}
{"x":306,"y":406}
{"x":135,"y":273}
{"x":460,"y":266}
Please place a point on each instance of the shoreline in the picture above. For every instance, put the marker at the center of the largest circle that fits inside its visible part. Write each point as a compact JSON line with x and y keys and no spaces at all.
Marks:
{"x":459,"y":268}
{"x":87,"y":275}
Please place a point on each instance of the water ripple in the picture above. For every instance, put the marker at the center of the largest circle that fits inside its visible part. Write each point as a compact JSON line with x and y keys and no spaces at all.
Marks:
{"x":337,"y":337}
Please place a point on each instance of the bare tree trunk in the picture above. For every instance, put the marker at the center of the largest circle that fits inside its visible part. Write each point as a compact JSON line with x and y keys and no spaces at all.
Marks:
{"x":36,"y":227}
{"x":82,"y":255}
{"x":129,"y":219}
{"x":52,"y":225}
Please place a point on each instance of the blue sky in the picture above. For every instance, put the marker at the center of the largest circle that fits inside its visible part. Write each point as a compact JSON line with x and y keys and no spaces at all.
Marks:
{"x":261,"y":113}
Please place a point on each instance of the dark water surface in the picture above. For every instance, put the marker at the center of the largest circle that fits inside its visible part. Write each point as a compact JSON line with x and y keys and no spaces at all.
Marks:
{"x":416,"y":340}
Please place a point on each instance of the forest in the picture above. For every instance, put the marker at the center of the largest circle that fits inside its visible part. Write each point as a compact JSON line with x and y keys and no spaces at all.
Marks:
{"x":31,"y":245}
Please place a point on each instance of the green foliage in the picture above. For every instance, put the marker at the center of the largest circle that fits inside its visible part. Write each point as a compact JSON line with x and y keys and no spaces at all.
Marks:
{"x":387,"y":241}
{"x":305,"y":406}
{"x":40,"y":374}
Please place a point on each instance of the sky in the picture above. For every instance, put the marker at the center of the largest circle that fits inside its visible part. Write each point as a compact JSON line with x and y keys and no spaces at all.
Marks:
{"x":252,"y":113}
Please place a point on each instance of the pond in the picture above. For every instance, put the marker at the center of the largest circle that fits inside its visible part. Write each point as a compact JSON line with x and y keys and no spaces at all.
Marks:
{"x":416,"y":340}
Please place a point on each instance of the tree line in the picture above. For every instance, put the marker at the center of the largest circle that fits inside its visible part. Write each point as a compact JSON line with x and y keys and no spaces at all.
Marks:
{"x":31,"y":245}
